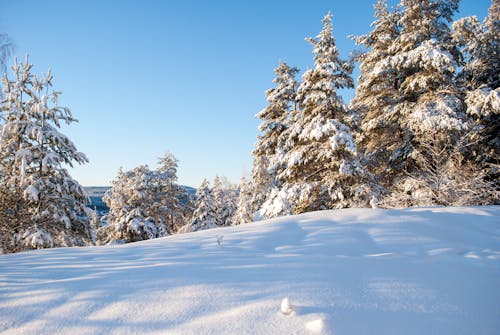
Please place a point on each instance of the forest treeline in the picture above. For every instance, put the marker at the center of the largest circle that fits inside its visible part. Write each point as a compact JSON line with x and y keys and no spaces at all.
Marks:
{"x":422,"y":130}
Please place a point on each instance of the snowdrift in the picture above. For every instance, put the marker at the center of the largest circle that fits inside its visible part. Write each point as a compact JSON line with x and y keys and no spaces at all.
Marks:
{"x":356,"y":271}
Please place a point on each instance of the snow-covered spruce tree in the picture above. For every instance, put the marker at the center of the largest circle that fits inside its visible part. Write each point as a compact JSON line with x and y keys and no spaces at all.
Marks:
{"x":204,"y":216}
{"x":481,"y":42}
{"x":321,"y":164}
{"x":427,"y":109}
{"x":263,"y":180}
{"x":480,"y":82}
{"x":245,"y":211}
{"x":379,"y":137}
{"x":41,"y":205}
{"x":270,"y":146}
{"x":172,"y":205}
{"x":130,"y":199}
{"x":225,"y":198}
{"x":219,"y":198}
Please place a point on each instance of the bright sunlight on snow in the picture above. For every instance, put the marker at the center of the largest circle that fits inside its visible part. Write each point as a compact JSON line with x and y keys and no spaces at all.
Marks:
{"x":354,"y":271}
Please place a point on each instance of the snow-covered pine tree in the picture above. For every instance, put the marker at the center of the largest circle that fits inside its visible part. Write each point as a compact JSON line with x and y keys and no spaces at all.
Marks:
{"x":321,"y":164}
{"x":41,"y":205}
{"x":245,"y":211}
{"x":147,"y":204}
{"x":480,"y":81}
{"x":225,"y":198}
{"x":173,"y":204}
{"x":130,"y":200}
{"x":204,"y":216}
{"x":379,"y":136}
{"x":270,"y":146}
{"x":219,"y":198}
{"x":168,"y":165}
{"x":262,"y":179}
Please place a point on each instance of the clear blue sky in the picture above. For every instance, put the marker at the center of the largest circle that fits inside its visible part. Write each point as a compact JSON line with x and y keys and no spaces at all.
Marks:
{"x":187,"y":76}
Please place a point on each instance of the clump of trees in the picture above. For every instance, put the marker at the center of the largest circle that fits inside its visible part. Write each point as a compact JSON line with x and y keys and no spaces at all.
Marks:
{"x":214,"y":206}
{"x":145,"y":203}
{"x":421,"y":130}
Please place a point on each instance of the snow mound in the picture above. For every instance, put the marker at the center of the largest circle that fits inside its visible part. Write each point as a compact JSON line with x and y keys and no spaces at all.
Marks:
{"x":356,"y":271}
{"x":286,"y":307}
{"x":316,"y":326}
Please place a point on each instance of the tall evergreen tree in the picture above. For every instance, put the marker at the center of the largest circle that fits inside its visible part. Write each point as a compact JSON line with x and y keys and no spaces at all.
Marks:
{"x":270,"y":146}
{"x":429,"y":105}
{"x":424,"y":113}
{"x":41,"y":205}
{"x":480,"y":82}
{"x":172,"y":202}
{"x":481,"y":42}
{"x":379,"y":137}
{"x":321,"y":160}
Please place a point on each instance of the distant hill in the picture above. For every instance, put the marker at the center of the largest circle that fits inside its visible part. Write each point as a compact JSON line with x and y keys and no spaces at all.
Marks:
{"x":97,"y":192}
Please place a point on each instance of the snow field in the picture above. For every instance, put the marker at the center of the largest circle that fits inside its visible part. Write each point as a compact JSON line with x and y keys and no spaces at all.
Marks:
{"x":354,"y":271}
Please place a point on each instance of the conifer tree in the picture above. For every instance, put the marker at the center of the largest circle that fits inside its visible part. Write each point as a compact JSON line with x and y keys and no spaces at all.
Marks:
{"x":423,"y":113}
{"x":480,"y":82}
{"x":321,"y":160}
{"x":379,"y":136}
{"x":225,"y":198}
{"x":204,"y":216}
{"x":481,"y":42}
{"x":244,"y":210}
{"x":41,"y":205}
{"x":130,"y":202}
{"x":146,"y":204}
{"x":429,"y":105}
{"x":172,"y":203}
{"x":168,"y":165}
{"x":263,"y":179}
{"x":219,"y":198}
{"x":270,"y":146}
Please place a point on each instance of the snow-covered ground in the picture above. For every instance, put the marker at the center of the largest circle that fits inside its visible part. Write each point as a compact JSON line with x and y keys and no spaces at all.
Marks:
{"x":356,"y":271}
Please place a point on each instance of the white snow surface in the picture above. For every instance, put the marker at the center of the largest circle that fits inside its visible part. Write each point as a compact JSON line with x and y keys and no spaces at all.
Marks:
{"x":354,"y":271}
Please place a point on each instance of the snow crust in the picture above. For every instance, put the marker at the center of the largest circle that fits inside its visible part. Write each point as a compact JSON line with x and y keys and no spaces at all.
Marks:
{"x":354,"y":271}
